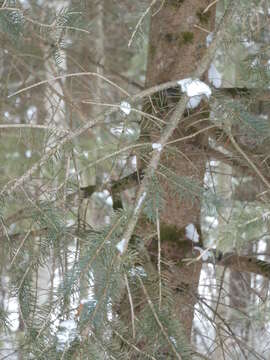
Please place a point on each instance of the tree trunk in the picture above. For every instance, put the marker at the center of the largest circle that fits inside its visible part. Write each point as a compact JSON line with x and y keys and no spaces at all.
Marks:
{"x":176,"y":44}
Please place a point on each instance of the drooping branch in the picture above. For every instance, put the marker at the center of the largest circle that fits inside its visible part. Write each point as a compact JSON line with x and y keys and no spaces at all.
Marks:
{"x":248,"y":264}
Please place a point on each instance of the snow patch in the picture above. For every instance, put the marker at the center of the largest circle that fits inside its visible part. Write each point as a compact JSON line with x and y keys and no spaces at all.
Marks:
{"x":32,"y":110}
{"x":192,"y":233}
{"x":214,"y":76}
{"x":266,"y":216}
{"x":109,"y":200}
{"x":250,"y":45}
{"x":121,"y":245}
{"x":204,"y":255}
{"x":66,"y":334}
{"x":134,"y":162}
{"x":107,"y":220}
{"x":195,"y":90}
{"x":119,"y":130}
{"x":141,"y":199}
{"x":157,"y":146}
{"x":212,"y":220}
{"x":28,"y":153}
{"x":13,"y":313}
{"x":125,"y":107}
{"x":255,"y":63}
{"x":105,"y":196}
{"x":138,"y":270}
{"x":209,"y":39}
{"x":173,"y":340}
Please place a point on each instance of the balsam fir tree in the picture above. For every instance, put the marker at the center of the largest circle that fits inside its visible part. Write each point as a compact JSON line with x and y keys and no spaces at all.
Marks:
{"x":134,"y":179}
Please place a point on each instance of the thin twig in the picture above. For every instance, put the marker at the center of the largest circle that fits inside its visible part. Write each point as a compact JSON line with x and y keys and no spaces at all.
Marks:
{"x":250,"y":162}
{"x":191,"y":135}
{"x":201,"y":28}
{"x":65,"y":76}
{"x":159,"y":257}
{"x":209,"y":6}
{"x":159,"y":9}
{"x":21,"y":245}
{"x":131,"y":307}
{"x":33,"y":126}
{"x":140,"y":21}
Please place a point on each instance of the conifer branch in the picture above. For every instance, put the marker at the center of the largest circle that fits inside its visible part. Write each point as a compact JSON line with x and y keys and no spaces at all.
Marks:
{"x":173,"y":123}
{"x":178,"y":356}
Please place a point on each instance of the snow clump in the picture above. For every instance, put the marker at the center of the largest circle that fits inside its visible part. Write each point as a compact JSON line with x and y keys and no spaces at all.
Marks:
{"x":125,"y":107}
{"x":209,"y":39}
{"x":192,"y":233}
{"x":157,"y":146}
{"x":121,"y":246}
{"x":195,"y":90}
{"x":214,"y":76}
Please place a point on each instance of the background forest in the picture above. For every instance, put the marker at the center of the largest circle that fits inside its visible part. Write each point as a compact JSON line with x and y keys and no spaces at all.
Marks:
{"x":134,"y":179}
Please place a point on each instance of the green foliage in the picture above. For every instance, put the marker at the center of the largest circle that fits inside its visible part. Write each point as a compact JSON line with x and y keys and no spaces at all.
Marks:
{"x":11,"y":22}
{"x":4,"y":321}
{"x":184,"y":187}
{"x":187,"y":37}
{"x":154,"y":200}
{"x":95,"y":302}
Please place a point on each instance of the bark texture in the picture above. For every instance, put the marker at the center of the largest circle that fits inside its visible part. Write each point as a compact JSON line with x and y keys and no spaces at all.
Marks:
{"x":177,"y":43}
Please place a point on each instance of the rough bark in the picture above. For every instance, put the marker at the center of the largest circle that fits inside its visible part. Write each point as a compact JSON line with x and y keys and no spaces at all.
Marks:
{"x":175,"y":47}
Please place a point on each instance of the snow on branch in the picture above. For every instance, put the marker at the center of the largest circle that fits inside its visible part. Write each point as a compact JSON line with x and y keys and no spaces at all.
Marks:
{"x":195,"y":90}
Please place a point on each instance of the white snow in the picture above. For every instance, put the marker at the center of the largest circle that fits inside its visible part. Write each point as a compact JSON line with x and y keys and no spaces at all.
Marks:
{"x":173,"y":340}
{"x":125,"y":107}
{"x":255,"y":63}
{"x":209,"y":39}
{"x":13,"y":313}
{"x":266,"y":216}
{"x":195,"y":90}
{"x":248,"y":44}
{"x":192,"y":233}
{"x":66,"y":334}
{"x":138,"y":270}
{"x":109,"y":200}
{"x":194,"y":102}
{"x":140,"y":202}
{"x":28,"y":153}
{"x":212,"y":221}
{"x":68,"y":325}
{"x":134,"y":162}
{"x":119,"y":130}
{"x":214,"y":76}
{"x":157,"y":146}
{"x":32,"y":110}
{"x":203,"y":253}
{"x":121,"y":245}
{"x":105,"y":195}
